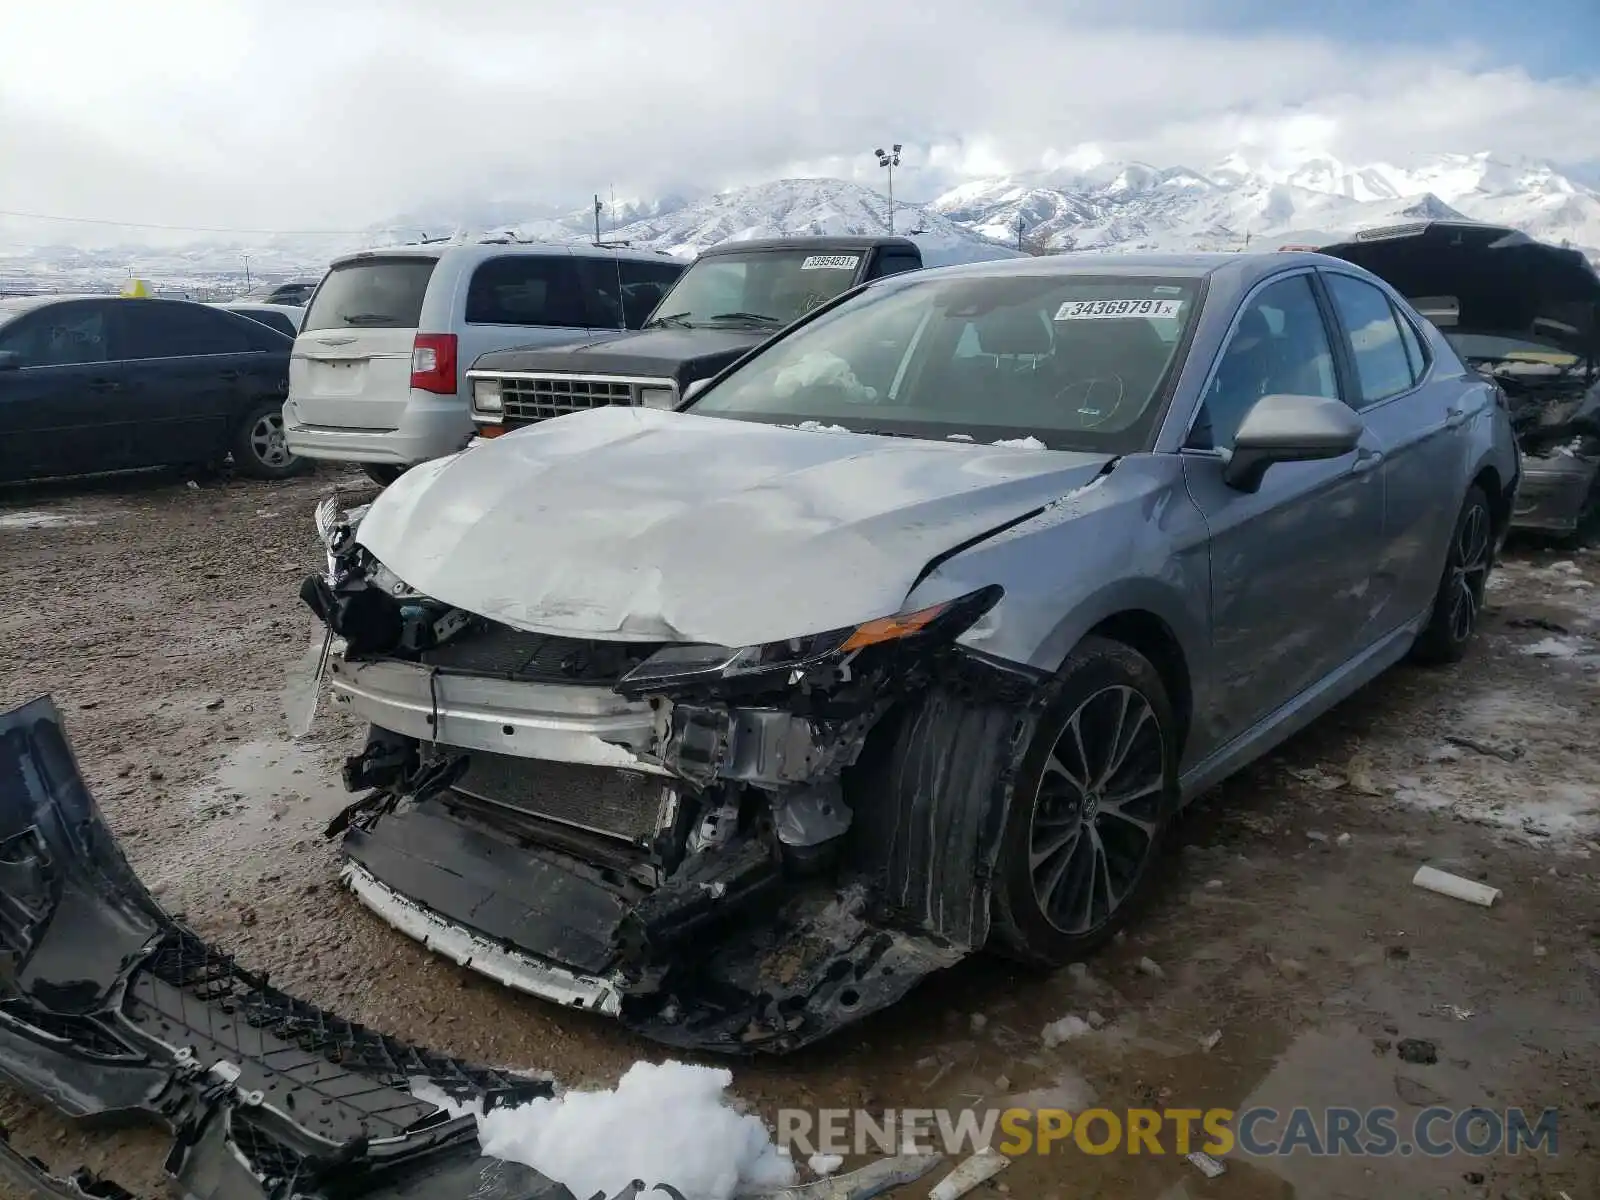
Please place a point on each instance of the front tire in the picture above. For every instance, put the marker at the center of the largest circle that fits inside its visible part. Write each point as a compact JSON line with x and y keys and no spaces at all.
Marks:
{"x":1096,"y":789}
{"x":382,"y":474}
{"x":259,"y":449}
{"x":1459,"y":601}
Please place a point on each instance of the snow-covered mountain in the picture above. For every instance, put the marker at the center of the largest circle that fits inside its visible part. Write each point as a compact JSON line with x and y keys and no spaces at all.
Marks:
{"x":1135,"y":206}
{"x":1113,"y":206}
{"x":782,"y":208}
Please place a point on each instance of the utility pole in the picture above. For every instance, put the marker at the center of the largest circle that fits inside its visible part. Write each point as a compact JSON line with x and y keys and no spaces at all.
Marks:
{"x":889,"y":160}
{"x":598,"y":208}
{"x":1021,"y":225}
{"x":247,"y":272}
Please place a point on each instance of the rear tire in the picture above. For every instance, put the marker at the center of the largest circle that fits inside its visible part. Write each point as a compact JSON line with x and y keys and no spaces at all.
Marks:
{"x":1093,"y":797}
{"x":258,"y":448}
{"x":382,"y":474}
{"x":1459,"y":601}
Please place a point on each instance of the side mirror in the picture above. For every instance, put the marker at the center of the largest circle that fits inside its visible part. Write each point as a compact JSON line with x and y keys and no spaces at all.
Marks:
{"x":695,"y":388}
{"x":1281,"y":429}
{"x":10,"y":360}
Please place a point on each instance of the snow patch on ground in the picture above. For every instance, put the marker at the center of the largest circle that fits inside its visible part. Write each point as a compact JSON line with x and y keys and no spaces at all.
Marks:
{"x":28,"y":519}
{"x":825,"y":1164}
{"x":1557,"y":647}
{"x":663,"y":1123}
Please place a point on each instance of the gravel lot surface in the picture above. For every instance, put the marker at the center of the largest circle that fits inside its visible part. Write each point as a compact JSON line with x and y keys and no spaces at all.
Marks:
{"x":164,"y":619}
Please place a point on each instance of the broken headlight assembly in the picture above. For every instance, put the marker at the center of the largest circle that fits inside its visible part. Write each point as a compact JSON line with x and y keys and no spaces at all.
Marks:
{"x":690,"y":666}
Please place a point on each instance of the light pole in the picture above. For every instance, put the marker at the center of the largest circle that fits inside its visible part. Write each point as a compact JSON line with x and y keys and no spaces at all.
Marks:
{"x":889,"y":160}
{"x":246,"y":272}
{"x":1021,"y":225}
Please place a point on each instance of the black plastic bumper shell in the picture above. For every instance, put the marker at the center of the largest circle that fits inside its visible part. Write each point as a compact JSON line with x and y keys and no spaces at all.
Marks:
{"x":109,"y":1008}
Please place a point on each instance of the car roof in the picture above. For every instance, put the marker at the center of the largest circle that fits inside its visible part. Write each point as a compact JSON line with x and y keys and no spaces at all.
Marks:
{"x":1242,"y":269}
{"x":814,"y":242}
{"x":15,"y":306}
{"x":292,"y":310}
{"x":482,"y":250}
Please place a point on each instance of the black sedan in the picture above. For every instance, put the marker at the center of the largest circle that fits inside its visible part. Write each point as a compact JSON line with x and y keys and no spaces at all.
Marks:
{"x":93,"y":384}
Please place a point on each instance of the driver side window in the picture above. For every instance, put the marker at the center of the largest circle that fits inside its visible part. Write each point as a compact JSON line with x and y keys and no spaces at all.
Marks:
{"x":1280,"y":346}
{"x":58,"y":335}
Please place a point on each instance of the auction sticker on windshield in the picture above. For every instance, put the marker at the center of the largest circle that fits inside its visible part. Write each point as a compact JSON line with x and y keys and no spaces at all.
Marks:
{"x":830,"y":262}
{"x":1100,"y":310}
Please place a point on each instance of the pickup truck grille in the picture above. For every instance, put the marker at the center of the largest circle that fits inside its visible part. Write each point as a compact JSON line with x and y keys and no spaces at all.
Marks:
{"x":524,"y":400}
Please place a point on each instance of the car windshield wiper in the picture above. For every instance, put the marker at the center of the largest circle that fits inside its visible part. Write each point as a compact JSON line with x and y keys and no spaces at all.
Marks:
{"x":747,"y":316}
{"x":371,"y":319}
{"x":678,"y":319}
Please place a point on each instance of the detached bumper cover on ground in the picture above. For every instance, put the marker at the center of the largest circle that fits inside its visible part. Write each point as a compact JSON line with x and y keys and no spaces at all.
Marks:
{"x":111,"y":1009}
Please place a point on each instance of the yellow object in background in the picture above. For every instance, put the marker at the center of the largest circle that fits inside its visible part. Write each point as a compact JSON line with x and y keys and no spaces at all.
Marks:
{"x":136,"y":289}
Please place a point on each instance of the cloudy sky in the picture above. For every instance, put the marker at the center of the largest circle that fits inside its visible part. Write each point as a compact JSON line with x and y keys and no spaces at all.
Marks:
{"x":295,"y":115}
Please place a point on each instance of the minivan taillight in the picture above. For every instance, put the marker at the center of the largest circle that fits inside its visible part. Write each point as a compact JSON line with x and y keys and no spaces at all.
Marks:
{"x":433,"y":363}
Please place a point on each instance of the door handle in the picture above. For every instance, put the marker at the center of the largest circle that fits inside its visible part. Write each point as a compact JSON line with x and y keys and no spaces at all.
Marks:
{"x":105,"y":385}
{"x":1366,"y":460}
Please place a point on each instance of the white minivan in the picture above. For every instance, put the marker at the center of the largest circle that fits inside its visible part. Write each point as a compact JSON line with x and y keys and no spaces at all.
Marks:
{"x":378,"y":373}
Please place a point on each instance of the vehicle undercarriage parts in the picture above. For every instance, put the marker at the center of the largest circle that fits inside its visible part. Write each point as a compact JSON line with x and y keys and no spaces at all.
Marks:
{"x":109,"y":1008}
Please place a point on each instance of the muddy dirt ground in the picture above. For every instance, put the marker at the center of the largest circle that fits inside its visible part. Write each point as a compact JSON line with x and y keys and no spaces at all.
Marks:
{"x":164,"y":619}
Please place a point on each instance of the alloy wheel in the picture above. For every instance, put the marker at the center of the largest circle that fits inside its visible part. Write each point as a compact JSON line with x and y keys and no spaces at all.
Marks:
{"x":1469,"y":572}
{"x":267,"y":442}
{"x":1098,"y":809}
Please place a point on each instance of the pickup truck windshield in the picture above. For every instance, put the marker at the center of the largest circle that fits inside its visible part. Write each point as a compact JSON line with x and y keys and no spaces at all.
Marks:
{"x":761,"y":290}
{"x":1064,"y":362}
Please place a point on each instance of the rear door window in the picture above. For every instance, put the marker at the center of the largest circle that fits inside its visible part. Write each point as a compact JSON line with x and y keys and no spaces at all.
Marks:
{"x":528,"y":289}
{"x":1383,"y":366}
{"x":59,"y":335}
{"x":374,"y":293}
{"x":159,"y":329}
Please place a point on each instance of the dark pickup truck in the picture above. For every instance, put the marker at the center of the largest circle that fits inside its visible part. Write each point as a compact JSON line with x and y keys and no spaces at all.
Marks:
{"x":732,"y":299}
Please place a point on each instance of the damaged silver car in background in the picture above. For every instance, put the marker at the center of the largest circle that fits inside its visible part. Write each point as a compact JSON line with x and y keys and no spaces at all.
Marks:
{"x":904,"y":638}
{"x":1527,"y":315}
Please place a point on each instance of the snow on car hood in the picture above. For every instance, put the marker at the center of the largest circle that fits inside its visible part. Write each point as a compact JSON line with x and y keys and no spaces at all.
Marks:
{"x":639,"y":524}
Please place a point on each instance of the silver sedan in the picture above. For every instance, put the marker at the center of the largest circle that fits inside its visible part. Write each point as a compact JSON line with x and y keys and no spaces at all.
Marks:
{"x":904,"y":638}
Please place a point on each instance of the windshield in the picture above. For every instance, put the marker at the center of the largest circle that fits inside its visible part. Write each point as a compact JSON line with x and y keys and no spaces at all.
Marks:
{"x":1074,"y":362}
{"x":376,"y":293}
{"x":762,"y":289}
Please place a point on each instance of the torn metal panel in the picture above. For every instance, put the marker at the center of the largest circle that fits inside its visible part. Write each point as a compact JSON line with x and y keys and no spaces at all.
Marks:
{"x":109,"y":1008}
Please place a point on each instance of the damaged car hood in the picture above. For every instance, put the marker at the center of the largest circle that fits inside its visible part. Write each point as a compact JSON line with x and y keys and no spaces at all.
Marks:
{"x":640,"y":524}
